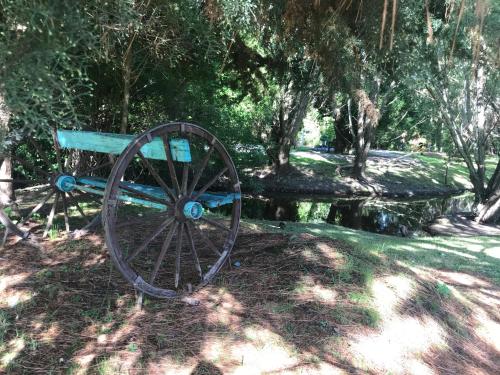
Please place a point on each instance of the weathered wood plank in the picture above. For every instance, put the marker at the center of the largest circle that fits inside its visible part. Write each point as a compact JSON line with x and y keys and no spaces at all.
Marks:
{"x":108,"y":143}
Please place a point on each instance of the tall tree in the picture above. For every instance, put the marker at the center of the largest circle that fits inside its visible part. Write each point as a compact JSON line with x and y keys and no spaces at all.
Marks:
{"x":342,"y":37}
{"x":294,"y":95}
{"x":458,"y":69}
{"x":139,"y":34}
{"x":367,"y":121}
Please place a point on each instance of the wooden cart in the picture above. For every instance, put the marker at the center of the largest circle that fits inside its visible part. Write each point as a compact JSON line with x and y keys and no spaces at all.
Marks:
{"x":170,"y":205}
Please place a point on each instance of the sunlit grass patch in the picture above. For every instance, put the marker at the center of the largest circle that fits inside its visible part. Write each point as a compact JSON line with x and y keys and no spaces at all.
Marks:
{"x":458,"y":174}
{"x":447,"y":253}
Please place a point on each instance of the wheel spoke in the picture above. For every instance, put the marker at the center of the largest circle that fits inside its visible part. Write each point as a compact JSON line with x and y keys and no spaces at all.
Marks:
{"x":146,"y":243}
{"x":215,"y":224}
{"x":156,"y":176}
{"x":171,"y":167}
{"x":193,"y":250}
{"x":73,"y":198}
{"x":90,"y":195}
{"x":208,"y":241}
{"x":200,"y":170}
{"x":4,"y":239}
{"x":94,"y":223}
{"x":163,"y":251}
{"x":65,"y":209}
{"x":10,"y":226}
{"x":209,"y":183}
{"x":178,"y":249}
{"x":51,"y":215}
{"x":37,"y":207}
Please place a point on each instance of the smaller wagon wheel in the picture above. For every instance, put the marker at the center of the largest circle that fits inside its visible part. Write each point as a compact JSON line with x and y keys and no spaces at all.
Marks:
{"x":171,"y":217}
{"x":42,"y":177}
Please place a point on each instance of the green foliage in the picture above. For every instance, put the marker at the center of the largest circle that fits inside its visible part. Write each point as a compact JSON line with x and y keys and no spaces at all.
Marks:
{"x":45,"y":49}
{"x":238,"y":68}
{"x":311,"y":212}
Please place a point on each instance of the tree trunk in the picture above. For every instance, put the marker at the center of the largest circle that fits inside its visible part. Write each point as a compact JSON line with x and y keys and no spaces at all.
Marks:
{"x":127,"y":73}
{"x":7,"y":196}
{"x":368,"y":117}
{"x":343,"y":136}
{"x":332,"y":214}
{"x":489,"y":210}
{"x":361,"y":148}
{"x":351,"y":214}
{"x":293,"y":109}
{"x":438,"y":136}
{"x":282,"y":209}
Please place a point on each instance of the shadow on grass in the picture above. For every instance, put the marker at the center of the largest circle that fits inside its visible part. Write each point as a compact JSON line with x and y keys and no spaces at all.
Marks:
{"x":465,"y":352}
{"x":291,"y":306}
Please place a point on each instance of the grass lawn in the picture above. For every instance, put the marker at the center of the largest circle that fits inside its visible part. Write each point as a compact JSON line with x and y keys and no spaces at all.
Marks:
{"x":458,"y":174}
{"x":412,"y":172}
{"x":447,"y":253}
{"x":312,"y":298}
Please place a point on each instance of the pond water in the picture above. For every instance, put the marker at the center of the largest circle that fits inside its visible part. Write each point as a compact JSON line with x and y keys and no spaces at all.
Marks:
{"x":388,"y":216}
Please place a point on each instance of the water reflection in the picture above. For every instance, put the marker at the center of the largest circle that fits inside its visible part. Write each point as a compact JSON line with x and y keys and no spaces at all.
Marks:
{"x":395,"y":217}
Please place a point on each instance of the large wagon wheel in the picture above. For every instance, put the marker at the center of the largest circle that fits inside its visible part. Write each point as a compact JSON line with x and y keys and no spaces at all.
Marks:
{"x":43,"y":187}
{"x":164,"y":224}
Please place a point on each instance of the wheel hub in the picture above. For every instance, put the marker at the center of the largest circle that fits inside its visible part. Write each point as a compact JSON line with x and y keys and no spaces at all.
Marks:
{"x":193,"y":210}
{"x":65,"y":183}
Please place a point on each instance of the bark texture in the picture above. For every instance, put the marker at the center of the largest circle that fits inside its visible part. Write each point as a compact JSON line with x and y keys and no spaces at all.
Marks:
{"x":7,"y":196}
{"x":343,"y":135}
{"x":368,"y":117}
{"x":292,"y":109}
{"x":126,"y":76}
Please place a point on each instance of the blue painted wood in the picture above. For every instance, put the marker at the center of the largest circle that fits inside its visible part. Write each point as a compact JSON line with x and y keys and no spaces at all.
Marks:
{"x":211,"y":200}
{"x":65,"y":183}
{"x":216,"y":200}
{"x":107,"y":143}
{"x":97,"y":187}
{"x":100,"y":183}
{"x":180,"y":150}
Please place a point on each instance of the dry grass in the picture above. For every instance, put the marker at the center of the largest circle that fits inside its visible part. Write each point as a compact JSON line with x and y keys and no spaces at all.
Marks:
{"x":297,"y":304}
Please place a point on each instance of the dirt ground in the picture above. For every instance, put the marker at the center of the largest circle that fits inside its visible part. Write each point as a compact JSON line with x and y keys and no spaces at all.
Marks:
{"x":297,"y":304}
